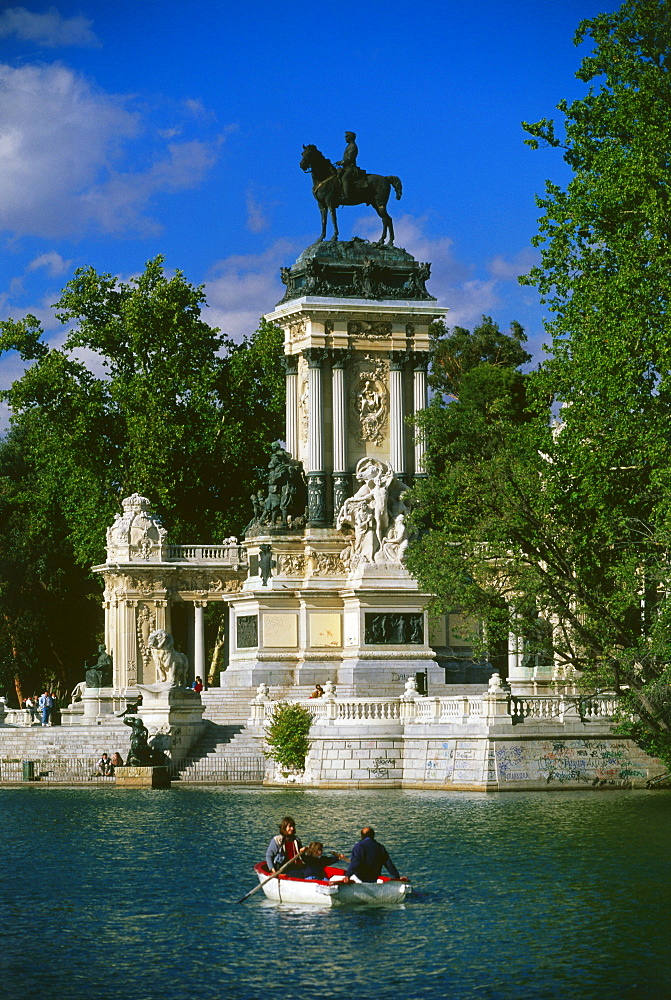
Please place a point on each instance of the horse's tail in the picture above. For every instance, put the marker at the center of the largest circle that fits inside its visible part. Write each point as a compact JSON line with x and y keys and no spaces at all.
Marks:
{"x":396,"y":184}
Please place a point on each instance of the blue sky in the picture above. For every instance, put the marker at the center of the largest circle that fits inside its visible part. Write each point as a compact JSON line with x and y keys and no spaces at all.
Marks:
{"x":137,"y":127}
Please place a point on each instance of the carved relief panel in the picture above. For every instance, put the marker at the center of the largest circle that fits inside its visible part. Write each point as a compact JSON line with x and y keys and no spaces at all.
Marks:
{"x":369,"y":398}
{"x":396,"y":628}
{"x":146,"y":623}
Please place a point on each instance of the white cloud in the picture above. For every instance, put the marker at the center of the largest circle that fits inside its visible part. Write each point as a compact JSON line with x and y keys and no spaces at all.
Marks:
{"x":453,"y":281}
{"x":257,"y":220}
{"x":511,"y":269}
{"x":240,"y":289}
{"x":48,"y":29}
{"x":63,"y":151}
{"x":52,"y":261}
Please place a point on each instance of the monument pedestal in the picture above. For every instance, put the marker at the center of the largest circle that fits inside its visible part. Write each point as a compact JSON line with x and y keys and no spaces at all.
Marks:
{"x":314,"y":621}
{"x":175,"y":712}
{"x":142,"y":777}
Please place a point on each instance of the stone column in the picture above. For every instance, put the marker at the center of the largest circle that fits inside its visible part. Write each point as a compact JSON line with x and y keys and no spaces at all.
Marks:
{"x":130,"y":644}
{"x":341,"y":480}
{"x":421,"y":361}
{"x":315,"y":471}
{"x":397,"y":360}
{"x":199,"y":639}
{"x":162,"y":615}
{"x":291,"y":371}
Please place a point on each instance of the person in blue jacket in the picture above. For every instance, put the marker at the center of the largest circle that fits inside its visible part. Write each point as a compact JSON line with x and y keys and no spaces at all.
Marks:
{"x":368,"y":858}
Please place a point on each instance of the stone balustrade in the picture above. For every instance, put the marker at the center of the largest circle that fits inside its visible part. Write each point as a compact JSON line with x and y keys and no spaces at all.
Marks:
{"x":499,"y":707}
{"x":557,"y":708}
{"x":230,"y":555}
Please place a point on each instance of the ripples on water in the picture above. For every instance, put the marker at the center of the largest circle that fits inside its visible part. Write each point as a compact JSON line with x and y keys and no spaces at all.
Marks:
{"x":125,"y":894}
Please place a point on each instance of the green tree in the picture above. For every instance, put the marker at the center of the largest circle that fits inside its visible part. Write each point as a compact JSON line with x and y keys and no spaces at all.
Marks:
{"x":572,"y":522}
{"x":457,"y":352}
{"x":606,"y":275}
{"x":175,"y":410}
{"x":287,"y":735}
{"x":478,"y":437}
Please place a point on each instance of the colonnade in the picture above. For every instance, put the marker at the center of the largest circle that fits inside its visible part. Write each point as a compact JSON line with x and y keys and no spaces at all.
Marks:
{"x":319,"y":360}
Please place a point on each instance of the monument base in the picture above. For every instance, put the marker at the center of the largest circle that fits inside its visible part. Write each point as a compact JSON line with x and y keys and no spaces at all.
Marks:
{"x":175,"y":713}
{"x":314,"y":620}
{"x":142,"y":777}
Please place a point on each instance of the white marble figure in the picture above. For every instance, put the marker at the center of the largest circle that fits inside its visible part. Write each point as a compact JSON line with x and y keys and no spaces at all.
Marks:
{"x":78,"y":691}
{"x":171,"y":665}
{"x":377,"y":516}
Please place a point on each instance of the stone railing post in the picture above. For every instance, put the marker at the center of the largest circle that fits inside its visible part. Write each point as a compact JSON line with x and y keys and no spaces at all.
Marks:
{"x":496,"y":703}
{"x":407,"y":707}
{"x":257,"y":715}
{"x":329,"y":700}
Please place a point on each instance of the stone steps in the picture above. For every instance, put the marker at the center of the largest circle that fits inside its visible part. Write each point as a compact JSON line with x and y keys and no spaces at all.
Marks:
{"x":231,"y":752}
{"x":37,"y":742}
{"x":228,"y":706}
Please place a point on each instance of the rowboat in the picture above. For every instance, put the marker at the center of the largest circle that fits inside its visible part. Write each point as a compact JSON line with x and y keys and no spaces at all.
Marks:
{"x":322,"y":892}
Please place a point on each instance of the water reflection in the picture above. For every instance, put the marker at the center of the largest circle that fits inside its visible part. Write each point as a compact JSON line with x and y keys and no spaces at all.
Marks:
{"x":112,"y":894}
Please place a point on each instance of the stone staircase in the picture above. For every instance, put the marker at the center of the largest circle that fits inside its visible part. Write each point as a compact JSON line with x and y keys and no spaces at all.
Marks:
{"x":58,"y":753}
{"x":224,"y":753}
{"x":41,"y":742}
{"x":231,"y":707}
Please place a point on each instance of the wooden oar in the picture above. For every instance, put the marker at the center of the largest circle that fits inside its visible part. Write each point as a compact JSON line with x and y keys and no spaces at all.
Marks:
{"x":274,"y":875}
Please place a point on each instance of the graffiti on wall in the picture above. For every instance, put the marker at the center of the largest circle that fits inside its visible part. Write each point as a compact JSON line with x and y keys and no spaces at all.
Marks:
{"x":562,"y":761}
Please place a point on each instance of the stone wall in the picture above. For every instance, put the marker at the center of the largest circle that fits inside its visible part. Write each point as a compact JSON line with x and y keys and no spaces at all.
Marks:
{"x":490,"y":742}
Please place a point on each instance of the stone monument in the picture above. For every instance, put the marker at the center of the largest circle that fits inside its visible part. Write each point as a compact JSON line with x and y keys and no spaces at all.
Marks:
{"x":327,"y":597}
{"x":318,"y":591}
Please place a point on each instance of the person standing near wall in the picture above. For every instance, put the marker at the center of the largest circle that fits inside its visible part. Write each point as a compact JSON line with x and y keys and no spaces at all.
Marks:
{"x":46,"y":704}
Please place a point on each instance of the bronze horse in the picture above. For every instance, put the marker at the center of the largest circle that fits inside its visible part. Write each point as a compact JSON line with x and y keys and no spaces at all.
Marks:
{"x":327,"y":189}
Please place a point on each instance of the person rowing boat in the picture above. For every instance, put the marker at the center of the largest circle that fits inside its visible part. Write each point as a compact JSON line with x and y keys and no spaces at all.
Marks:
{"x":285,"y":847}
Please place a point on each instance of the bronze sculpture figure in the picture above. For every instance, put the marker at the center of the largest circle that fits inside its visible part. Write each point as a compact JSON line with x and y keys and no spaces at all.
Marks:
{"x":349,"y":186}
{"x":141,"y":754}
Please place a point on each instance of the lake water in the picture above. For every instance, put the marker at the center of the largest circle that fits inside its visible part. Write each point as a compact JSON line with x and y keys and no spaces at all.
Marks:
{"x":126,"y":894}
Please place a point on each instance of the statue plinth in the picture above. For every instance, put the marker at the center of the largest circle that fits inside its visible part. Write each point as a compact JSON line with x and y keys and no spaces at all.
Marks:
{"x":142,"y":777}
{"x":357,"y":269}
{"x":173,"y":712}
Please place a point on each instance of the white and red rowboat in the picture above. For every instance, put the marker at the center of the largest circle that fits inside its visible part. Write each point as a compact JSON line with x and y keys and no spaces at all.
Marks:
{"x":321,"y":892}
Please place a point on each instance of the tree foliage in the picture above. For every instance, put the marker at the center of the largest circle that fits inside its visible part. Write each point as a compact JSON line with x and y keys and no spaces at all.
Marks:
{"x":143,"y":396}
{"x":572,"y":521}
{"x":287,"y":735}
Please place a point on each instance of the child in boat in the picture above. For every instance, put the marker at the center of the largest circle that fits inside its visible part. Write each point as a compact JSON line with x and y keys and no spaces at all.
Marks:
{"x":316,"y":861}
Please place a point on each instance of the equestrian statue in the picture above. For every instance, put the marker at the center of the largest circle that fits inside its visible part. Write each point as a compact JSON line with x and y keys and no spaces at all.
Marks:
{"x":347,"y":184}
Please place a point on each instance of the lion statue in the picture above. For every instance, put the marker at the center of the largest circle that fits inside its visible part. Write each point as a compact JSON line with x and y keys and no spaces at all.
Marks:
{"x":171,"y":665}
